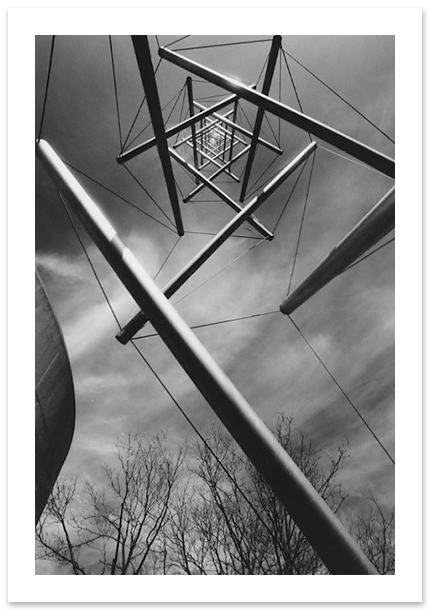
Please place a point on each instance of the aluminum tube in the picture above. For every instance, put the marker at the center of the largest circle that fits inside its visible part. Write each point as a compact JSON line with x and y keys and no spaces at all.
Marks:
{"x":215,"y":162}
{"x":312,"y":515}
{"x":146,"y":69}
{"x":352,"y":147}
{"x":215,"y":189}
{"x":270,"y":70}
{"x":230,"y":156}
{"x":140,"y":148}
{"x":140,"y":319}
{"x":243,"y":131}
{"x":217,"y":173}
{"x":193,"y":126}
{"x":377,"y":223}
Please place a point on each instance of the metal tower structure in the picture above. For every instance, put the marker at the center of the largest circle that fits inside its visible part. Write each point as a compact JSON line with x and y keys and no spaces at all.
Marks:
{"x":218,"y":141}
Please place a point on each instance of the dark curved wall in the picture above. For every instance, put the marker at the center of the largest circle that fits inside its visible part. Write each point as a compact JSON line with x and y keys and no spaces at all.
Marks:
{"x":55,"y":399}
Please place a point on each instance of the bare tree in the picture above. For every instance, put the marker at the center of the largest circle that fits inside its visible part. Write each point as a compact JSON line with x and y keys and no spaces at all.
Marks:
{"x":374,"y":531}
{"x":219,"y":518}
{"x":235,"y":524}
{"x":112,"y":530}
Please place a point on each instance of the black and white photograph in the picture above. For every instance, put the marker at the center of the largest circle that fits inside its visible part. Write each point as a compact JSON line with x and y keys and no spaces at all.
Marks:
{"x":216,"y":356}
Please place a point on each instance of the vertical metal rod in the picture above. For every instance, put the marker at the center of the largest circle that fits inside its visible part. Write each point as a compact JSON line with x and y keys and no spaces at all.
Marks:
{"x":242,"y":130}
{"x":234,"y":118}
{"x":223,"y":196}
{"x":270,"y":70}
{"x":217,"y":173}
{"x":339,"y":140}
{"x":371,"y":228}
{"x":312,"y":515}
{"x":193,"y":126}
{"x":146,"y":69}
{"x":172,"y":131}
{"x":140,"y":319}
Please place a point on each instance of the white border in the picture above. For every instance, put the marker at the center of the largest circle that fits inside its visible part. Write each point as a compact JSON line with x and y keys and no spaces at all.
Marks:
{"x":24,"y":586}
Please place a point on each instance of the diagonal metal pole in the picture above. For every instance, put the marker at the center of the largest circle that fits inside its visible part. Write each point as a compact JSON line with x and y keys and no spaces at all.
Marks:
{"x":172,"y":131}
{"x":371,"y":228}
{"x":339,"y":140}
{"x":270,"y":70}
{"x":146,"y":69}
{"x":254,"y":222}
{"x":193,"y":126}
{"x":140,"y":319}
{"x":312,"y":515}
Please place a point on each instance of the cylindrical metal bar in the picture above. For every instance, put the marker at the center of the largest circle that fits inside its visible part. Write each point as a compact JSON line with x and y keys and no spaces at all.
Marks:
{"x":215,"y":189}
{"x":243,"y":131}
{"x":236,"y":103}
{"x":377,"y":223}
{"x":312,"y":515}
{"x":146,"y":69}
{"x":216,"y":174}
{"x":339,"y":140}
{"x":193,"y":126}
{"x":140,"y":148}
{"x":270,"y":70}
{"x":215,"y":162}
{"x":140,"y":319}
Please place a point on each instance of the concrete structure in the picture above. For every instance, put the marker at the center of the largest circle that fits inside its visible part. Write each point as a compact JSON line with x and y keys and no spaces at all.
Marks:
{"x":55,"y":399}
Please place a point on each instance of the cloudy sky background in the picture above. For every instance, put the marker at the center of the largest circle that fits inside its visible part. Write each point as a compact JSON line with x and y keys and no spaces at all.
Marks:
{"x":350,"y":323}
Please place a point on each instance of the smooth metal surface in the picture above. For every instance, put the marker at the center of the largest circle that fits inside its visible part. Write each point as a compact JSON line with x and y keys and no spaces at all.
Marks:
{"x":146,"y":69}
{"x":371,"y":228}
{"x":339,"y":140}
{"x":140,"y":319}
{"x":312,"y":515}
{"x":140,"y":148}
{"x":217,"y":173}
{"x":236,"y":104}
{"x":242,"y":130}
{"x":270,"y":70}
{"x":215,"y":189}
{"x":193,"y":126}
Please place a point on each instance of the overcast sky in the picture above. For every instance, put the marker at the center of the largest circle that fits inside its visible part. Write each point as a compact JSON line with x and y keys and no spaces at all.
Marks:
{"x":350,"y":322}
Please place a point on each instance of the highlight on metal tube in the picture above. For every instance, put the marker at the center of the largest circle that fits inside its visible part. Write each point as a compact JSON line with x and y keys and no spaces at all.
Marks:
{"x":318,"y":523}
{"x":371,"y":228}
{"x":339,"y":140}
